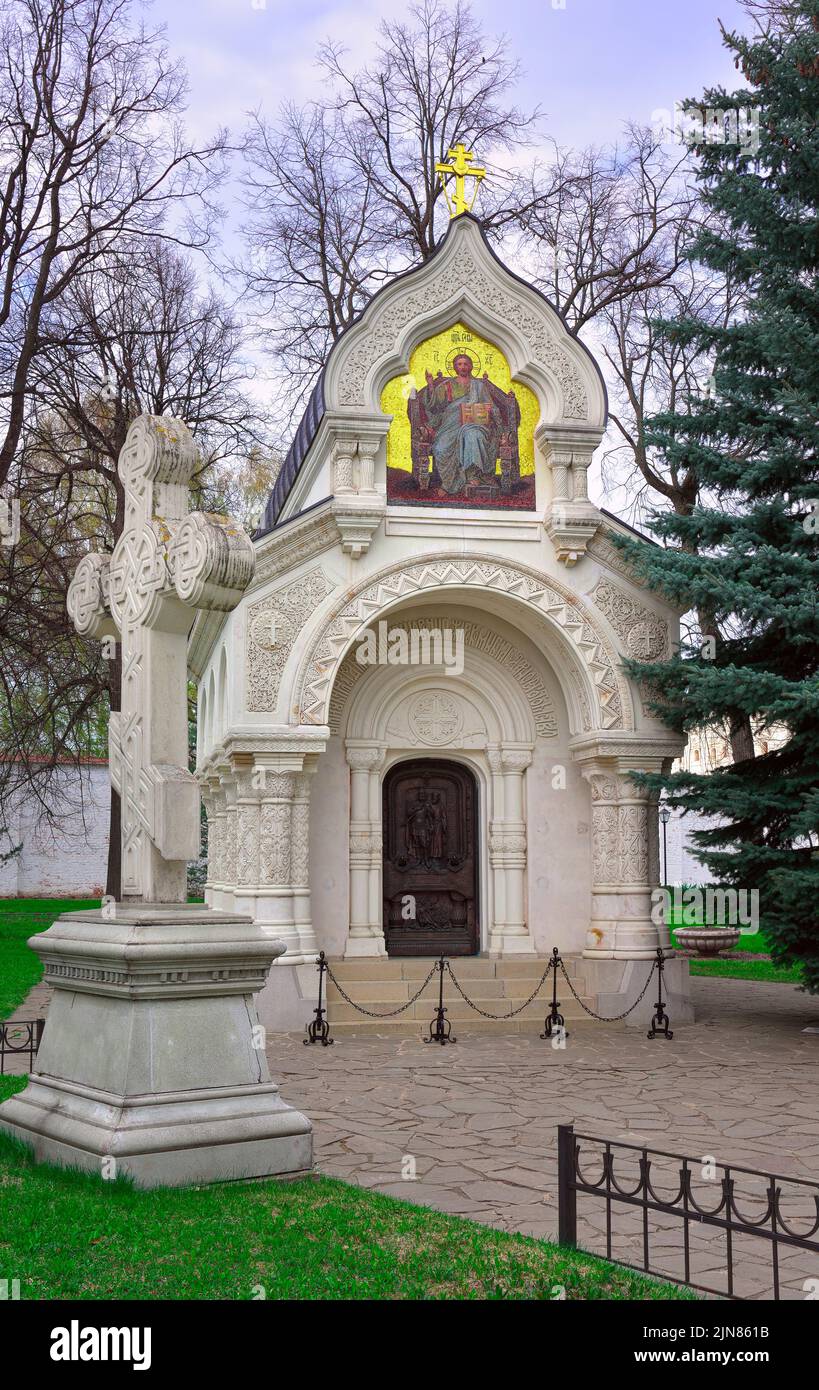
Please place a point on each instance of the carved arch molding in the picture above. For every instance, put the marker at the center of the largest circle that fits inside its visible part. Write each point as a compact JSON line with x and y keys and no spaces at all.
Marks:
{"x":386,"y":326}
{"x":561,"y":608}
{"x":478,"y":638}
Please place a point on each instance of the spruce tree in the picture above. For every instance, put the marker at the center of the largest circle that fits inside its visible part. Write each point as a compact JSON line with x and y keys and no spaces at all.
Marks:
{"x":745,"y":558}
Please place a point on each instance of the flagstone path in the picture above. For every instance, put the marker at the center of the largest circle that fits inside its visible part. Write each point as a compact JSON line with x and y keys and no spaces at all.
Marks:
{"x":471,"y":1128}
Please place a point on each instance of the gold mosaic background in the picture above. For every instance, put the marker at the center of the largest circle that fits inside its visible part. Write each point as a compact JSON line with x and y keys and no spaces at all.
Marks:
{"x":436,"y":354}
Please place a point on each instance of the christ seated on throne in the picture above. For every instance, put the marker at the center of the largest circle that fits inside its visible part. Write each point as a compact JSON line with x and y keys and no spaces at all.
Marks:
{"x":466,"y":425}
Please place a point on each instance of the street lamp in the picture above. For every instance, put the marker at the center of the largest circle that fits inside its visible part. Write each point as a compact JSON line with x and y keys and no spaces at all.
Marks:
{"x":665,"y":817}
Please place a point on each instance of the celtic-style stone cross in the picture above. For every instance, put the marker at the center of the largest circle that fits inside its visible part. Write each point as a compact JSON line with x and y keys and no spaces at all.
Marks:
{"x":168,"y":563}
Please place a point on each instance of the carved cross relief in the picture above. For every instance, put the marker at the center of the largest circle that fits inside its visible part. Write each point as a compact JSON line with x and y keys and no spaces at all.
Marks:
{"x":168,"y":563}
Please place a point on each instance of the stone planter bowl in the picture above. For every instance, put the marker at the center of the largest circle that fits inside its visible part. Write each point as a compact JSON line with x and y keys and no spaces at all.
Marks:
{"x":707,"y":941}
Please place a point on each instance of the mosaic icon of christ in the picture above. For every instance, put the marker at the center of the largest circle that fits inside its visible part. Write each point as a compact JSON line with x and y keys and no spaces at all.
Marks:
{"x":465,"y":417}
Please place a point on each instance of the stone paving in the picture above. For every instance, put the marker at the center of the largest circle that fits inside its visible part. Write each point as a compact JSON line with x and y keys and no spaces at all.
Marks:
{"x":478,"y":1120}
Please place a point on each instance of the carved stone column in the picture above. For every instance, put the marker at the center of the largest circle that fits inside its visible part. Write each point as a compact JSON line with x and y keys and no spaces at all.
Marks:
{"x":366,"y":936}
{"x":300,"y":861}
{"x":560,"y":460}
{"x":621,"y":926}
{"x":247,"y":835}
{"x":210,"y":789}
{"x":229,"y":856}
{"x":274,"y":890}
{"x":508,"y":932}
{"x":367,"y":450}
{"x":580,"y":475}
{"x":343,"y":455}
{"x":218,"y":824}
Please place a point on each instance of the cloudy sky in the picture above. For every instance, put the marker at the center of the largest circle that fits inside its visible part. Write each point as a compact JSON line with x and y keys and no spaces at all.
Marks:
{"x":591,"y":64}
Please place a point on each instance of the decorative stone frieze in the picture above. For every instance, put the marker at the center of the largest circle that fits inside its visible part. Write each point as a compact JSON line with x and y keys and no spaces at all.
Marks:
{"x":273,"y":624}
{"x":644,"y":635}
{"x":558,"y":606}
{"x":477,"y":638}
{"x":388,"y":319}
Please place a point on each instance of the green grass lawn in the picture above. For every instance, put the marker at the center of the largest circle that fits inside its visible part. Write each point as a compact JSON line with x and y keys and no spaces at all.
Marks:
{"x":73,"y":1236}
{"x":742,"y":969}
{"x":69,"y":1235}
{"x":21,"y":918}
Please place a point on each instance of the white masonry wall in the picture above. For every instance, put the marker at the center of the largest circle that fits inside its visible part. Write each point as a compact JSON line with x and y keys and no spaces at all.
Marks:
{"x":69,"y":861}
{"x":683,"y":867}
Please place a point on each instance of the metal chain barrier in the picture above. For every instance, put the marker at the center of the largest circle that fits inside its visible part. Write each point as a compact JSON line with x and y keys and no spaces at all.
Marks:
{"x":484,"y":1012}
{"x":440,"y":1028}
{"x":390,"y":1013}
{"x":612,"y":1018}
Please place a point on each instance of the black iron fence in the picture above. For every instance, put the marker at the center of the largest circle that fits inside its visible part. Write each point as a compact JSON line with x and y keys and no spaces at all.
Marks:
{"x":768,"y":1225}
{"x":440,"y":1029}
{"x":17,"y":1038}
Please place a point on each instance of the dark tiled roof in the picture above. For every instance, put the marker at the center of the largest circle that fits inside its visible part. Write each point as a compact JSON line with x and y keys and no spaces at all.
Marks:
{"x":303,"y":438}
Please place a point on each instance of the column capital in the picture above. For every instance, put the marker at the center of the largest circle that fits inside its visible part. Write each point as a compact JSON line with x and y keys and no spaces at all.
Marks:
{"x":514,"y":758}
{"x":365,"y":757}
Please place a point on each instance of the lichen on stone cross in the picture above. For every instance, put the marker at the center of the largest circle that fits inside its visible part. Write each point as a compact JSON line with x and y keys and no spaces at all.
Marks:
{"x":168,"y":563}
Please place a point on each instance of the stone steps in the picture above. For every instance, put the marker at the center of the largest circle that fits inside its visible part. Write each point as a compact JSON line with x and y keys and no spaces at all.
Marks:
{"x":483,"y":967}
{"x":495,"y":985}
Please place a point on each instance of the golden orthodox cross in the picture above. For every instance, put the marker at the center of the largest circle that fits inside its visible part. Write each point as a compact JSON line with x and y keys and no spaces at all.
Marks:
{"x":460,"y":170}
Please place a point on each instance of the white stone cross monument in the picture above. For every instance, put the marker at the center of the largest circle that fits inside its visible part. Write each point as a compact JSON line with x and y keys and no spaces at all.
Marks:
{"x":152,"y":1055}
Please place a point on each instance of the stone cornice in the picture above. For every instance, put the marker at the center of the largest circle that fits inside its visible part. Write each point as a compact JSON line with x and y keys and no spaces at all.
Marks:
{"x":294,"y":542}
{"x":629,"y":747}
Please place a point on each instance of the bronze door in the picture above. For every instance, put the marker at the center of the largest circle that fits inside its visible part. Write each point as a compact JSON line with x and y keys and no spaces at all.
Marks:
{"x":430,"y":859}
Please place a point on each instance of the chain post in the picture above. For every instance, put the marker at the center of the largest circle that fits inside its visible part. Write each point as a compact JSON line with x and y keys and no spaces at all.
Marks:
{"x":319,"y":1029}
{"x":440,"y":1029}
{"x":554,"y":1019}
{"x":660,"y":1023}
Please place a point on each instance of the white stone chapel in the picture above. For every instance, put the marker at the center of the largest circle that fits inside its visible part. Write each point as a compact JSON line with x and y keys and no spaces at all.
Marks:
{"x":415,"y":732}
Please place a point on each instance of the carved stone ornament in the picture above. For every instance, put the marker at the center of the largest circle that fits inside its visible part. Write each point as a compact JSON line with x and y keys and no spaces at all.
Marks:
{"x":644,"y":635}
{"x":389,"y":319}
{"x":436,"y":718}
{"x":272,"y":627}
{"x":166,"y":564}
{"x":478,"y":638}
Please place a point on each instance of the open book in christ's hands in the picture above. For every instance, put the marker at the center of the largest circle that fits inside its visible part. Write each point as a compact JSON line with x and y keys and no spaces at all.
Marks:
{"x":475,"y":412}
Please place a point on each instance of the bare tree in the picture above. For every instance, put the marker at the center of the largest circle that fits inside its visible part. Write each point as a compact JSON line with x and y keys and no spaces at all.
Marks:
{"x":317,"y":246}
{"x":344,"y":193}
{"x":92,"y":150}
{"x":601,"y":228}
{"x":437,"y":79}
{"x":133,"y":332}
{"x":653,"y":372}
{"x":657,"y":372}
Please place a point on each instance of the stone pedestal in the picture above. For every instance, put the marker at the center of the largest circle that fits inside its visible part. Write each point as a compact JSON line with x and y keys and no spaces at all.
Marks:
{"x":616,"y":984}
{"x":152,"y":1053}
